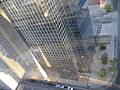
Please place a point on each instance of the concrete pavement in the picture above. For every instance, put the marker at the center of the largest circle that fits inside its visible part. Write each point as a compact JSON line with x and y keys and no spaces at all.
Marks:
{"x":107,"y":29}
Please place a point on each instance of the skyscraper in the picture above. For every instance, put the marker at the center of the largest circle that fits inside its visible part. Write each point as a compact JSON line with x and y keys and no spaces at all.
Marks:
{"x":92,"y":2}
{"x":118,"y":43}
{"x":114,"y":4}
{"x":58,"y":32}
{"x":11,"y":44}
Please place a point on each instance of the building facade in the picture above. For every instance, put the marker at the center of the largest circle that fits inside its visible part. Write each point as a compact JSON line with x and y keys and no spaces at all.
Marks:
{"x":58,"y":32}
{"x":92,"y":2}
{"x":11,"y":44}
{"x":118,"y":44}
{"x":114,"y":4}
{"x":111,"y":2}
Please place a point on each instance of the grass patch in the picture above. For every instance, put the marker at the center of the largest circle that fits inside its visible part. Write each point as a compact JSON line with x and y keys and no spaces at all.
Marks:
{"x":103,"y":43}
{"x":113,"y":62}
{"x":104,"y":58}
{"x":102,"y":73}
{"x":112,"y":69}
{"x":108,"y":8}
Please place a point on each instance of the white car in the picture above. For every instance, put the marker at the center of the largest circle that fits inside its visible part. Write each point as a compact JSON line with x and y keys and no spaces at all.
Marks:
{"x":70,"y":88}
{"x":60,"y":86}
{"x":65,"y":87}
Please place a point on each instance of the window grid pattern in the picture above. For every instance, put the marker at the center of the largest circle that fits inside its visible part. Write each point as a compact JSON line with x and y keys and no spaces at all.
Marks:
{"x":50,"y":25}
{"x":10,"y":39}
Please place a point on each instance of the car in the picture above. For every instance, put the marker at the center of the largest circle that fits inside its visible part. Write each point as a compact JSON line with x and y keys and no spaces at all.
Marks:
{"x":70,"y":88}
{"x":60,"y":86}
{"x":65,"y":87}
{"x":32,"y":80}
{"x":50,"y":84}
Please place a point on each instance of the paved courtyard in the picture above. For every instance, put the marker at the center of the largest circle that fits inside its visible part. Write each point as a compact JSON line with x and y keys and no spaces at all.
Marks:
{"x":107,"y":29}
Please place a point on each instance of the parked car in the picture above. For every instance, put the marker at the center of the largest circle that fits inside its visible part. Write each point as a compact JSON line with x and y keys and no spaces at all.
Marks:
{"x":65,"y":87}
{"x":60,"y":86}
{"x":70,"y":88}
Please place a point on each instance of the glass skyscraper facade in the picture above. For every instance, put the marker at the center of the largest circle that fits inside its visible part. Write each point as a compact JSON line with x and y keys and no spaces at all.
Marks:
{"x":58,"y":33}
{"x":114,"y":4}
{"x":11,"y":44}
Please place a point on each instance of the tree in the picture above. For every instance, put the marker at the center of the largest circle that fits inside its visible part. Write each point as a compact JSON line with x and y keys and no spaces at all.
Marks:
{"x":104,"y":58}
{"x":108,"y":7}
{"x":103,"y":47}
{"x":112,"y":69}
{"x":113,"y":62}
{"x":102,"y":73}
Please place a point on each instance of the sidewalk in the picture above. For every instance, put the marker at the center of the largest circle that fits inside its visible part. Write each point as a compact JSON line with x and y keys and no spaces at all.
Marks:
{"x":110,"y":29}
{"x":95,"y":12}
{"x":107,"y":29}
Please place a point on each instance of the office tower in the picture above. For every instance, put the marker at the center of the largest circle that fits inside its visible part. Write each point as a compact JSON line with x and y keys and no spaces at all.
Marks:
{"x":114,"y":4}
{"x":92,"y":2}
{"x":58,"y":32}
{"x":118,"y":43}
{"x":101,"y":2}
{"x":11,"y":44}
